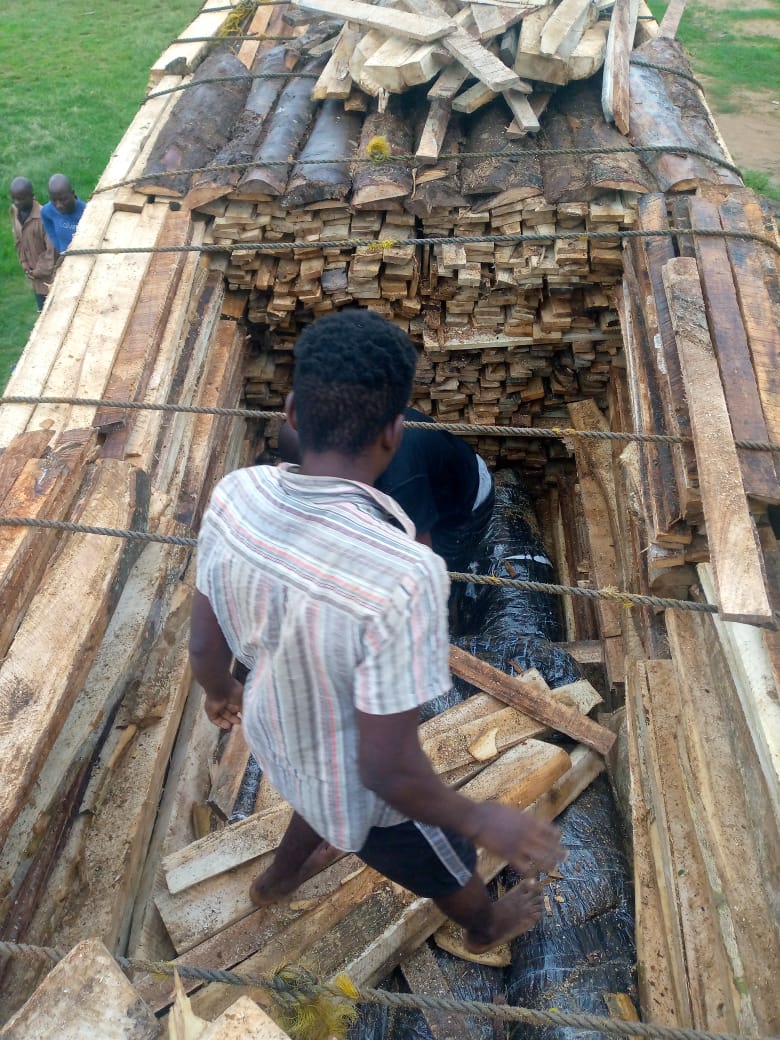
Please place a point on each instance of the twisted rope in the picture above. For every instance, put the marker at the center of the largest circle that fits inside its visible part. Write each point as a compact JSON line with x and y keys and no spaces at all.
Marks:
{"x":379,"y":244}
{"x":466,"y":429}
{"x":306,"y":987}
{"x":626,"y":599}
{"x":377,"y":157}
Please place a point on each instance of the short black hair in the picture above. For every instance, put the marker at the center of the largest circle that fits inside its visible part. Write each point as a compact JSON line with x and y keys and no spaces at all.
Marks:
{"x":353,"y":375}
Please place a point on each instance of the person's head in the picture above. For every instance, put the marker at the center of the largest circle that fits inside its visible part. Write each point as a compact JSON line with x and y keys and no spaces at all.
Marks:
{"x":351,"y":382}
{"x":61,"y":193}
{"x":21,"y":192}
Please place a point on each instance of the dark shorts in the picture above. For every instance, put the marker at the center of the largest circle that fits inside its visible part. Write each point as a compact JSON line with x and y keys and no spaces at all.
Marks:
{"x":427,"y":860}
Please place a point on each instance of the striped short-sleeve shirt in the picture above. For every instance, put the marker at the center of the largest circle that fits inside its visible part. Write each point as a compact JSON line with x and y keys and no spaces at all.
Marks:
{"x":332,"y":607}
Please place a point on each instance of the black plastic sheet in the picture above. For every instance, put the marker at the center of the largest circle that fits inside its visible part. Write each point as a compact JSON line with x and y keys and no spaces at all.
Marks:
{"x":512,"y":547}
{"x":583,"y":946}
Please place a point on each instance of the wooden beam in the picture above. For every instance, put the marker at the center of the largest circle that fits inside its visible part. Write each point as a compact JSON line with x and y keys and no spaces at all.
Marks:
{"x":85,"y":996}
{"x":671,"y":19}
{"x":729,"y":338}
{"x":530,"y":694}
{"x":742,"y":593}
{"x":425,"y":27}
{"x":615,"y":83}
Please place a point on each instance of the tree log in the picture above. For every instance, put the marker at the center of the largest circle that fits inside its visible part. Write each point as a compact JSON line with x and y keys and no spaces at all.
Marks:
{"x":286,"y":130}
{"x":245,"y":137}
{"x":667,"y":109}
{"x":501,"y":171}
{"x":378,"y":182}
{"x":335,"y":134}
{"x":574,"y":120}
{"x":199,"y":125}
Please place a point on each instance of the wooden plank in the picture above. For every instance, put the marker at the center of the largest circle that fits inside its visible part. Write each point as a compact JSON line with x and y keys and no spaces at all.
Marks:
{"x":521,"y":109}
{"x":615,"y":82}
{"x":564,"y":28}
{"x":334,"y":80}
{"x":671,"y":19}
{"x":756,"y":686}
{"x":47,"y":662}
{"x":222,"y":850}
{"x":44,"y":489}
{"x":241,"y":1020}
{"x":433,"y":131}
{"x":736,"y":826}
{"x":181,"y":58}
{"x":86,"y":995}
{"x":729,"y":338}
{"x":531,"y":695}
{"x":734,"y":554}
{"x":424,"y":27}
{"x":424,"y":976}
{"x":479,"y":61}
{"x":229,"y":773}
{"x":755,"y":277}
{"x":23,"y":448}
{"x":492,"y":20}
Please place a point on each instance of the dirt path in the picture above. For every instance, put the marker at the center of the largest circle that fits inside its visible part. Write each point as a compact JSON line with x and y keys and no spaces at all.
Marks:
{"x":752,"y":129}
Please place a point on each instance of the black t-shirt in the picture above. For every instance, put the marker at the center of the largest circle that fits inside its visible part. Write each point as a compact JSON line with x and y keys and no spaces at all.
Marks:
{"x":433,"y":476}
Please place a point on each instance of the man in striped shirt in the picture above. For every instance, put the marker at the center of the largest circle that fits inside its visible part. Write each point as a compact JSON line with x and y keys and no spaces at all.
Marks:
{"x":312,"y":579}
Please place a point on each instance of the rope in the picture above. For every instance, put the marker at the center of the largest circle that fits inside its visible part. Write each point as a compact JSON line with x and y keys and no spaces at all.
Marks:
{"x":666,"y":68}
{"x":378,"y":156}
{"x":626,"y":599}
{"x":372,"y":243}
{"x":303,"y":988}
{"x":472,"y":429}
{"x":227,"y":79}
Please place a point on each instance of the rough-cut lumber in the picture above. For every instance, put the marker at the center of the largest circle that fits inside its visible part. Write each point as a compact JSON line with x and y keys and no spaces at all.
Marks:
{"x":225,"y":849}
{"x":732,"y":540}
{"x":198,"y":126}
{"x":378,"y":926}
{"x":47,"y":662}
{"x":615,"y":83}
{"x":756,"y":684}
{"x":755,"y":277}
{"x":649,"y":256}
{"x":44,"y":489}
{"x":531,"y":695}
{"x":180,"y":58}
{"x":229,"y":773}
{"x":420,"y":919}
{"x":85,"y":996}
{"x":564,"y":28}
{"x":670,"y":110}
{"x":335,"y":80}
{"x":729,"y":338}
{"x":730,"y":810}
{"x":424,"y":976}
{"x":242,"y":1020}
{"x":671,"y":18}
{"x":425,"y":27}
{"x":479,"y":61}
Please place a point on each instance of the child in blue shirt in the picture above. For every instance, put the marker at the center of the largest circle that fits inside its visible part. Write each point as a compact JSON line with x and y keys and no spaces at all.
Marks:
{"x":62,"y":213}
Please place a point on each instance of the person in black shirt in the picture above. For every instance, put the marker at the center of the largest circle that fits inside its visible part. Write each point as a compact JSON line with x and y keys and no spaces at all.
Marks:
{"x":439,"y":481}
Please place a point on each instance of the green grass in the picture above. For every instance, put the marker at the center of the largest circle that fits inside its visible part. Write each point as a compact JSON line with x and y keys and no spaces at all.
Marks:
{"x":725,"y":47}
{"x":72,"y":77}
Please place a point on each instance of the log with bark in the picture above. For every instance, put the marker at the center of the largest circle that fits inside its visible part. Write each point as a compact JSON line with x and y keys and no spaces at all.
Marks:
{"x":377,"y":185}
{"x":319,"y":177}
{"x":199,"y":125}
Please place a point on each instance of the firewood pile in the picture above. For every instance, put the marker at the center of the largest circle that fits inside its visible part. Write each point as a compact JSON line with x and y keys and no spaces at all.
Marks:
{"x":510,"y":331}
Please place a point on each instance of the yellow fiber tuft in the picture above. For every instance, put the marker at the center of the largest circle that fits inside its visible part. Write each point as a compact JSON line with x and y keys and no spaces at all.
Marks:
{"x":378,"y":148}
{"x":345,"y":985}
{"x":307,"y":1011}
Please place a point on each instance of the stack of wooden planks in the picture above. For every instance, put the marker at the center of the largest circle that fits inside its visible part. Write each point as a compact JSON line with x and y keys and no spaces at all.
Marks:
{"x":699,"y":333}
{"x":511,"y":331}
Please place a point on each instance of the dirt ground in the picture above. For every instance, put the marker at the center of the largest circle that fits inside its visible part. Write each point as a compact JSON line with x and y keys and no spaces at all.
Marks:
{"x":752,"y":131}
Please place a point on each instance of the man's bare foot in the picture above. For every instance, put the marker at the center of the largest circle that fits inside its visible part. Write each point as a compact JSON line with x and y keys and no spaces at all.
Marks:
{"x":513,"y":914}
{"x":271,"y":886}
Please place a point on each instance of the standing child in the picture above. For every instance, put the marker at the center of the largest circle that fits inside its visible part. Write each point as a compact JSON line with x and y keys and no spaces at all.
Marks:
{"x":313,"y":580}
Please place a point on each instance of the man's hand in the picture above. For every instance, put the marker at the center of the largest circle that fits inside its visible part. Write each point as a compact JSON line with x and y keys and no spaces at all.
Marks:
{"x":225,"y":712}
{"x":522,"y":839}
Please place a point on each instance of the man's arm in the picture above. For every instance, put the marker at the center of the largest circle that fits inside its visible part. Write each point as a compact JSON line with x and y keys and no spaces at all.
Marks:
{"x":47,"y":260}
{"x":394,"y":766}
{"x":210,"y":659}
